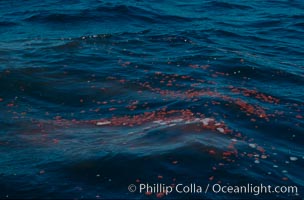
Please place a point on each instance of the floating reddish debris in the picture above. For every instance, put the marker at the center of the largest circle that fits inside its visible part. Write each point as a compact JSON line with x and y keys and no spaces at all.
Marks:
{"x":235,"y":90}
{"x":257,"y":110}
{"x":165,"y":117}
{"x":194,"y":94}
{"x":126,"y":63}
{"x":55,"y":141}
{"x":227,"y":153}
{"x":253,"y":93}
{"x":196,"y":66}
{"x":148,"y":193}
{"x":259,"y":95}
{"x":261,"y":149}
{"x":212,"y":152}
{"x":160,"y":195}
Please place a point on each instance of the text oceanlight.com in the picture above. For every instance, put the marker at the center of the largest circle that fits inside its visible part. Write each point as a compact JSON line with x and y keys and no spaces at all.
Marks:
{"x":146,"y":188}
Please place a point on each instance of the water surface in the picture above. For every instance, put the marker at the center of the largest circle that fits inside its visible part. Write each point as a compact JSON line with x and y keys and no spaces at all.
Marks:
{"x":97,"y":95}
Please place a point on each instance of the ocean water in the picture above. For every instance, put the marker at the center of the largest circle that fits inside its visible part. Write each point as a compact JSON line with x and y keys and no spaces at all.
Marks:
{"x":97,"y":95}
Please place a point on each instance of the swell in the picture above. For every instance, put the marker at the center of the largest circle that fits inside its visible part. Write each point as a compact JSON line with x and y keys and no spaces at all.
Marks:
{"x":105,"y":13}
{"x":7,"y":24}
{"x":221,"y":5}
{"x":155,"y":97}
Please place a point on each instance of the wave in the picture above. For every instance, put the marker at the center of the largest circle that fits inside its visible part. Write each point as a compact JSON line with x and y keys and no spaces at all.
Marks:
{"x":105,"y":13}
{"x":7,"y":24}
{"x":93,"y":93}
{"x":228,"y":5}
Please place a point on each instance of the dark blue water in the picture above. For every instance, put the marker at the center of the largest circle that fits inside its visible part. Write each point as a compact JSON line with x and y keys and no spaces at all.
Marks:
{"x":97,"y":95}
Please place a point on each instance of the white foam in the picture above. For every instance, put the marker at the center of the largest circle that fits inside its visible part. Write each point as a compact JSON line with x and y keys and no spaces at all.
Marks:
{"x":220,"y":130}
{"x":206,"y":121}
{"x":103,"y":123}
{"x":177,"y":120}
{"x":292,"y":158}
